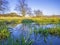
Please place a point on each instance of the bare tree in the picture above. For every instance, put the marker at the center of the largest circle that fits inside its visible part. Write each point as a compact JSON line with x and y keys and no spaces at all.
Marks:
{"x":38,"y":13}
{"x":3,"y":6}
{"x":22,"y":7}
{"x":29,"y":12}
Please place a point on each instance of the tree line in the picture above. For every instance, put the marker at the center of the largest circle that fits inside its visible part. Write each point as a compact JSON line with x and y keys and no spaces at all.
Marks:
{"x":22,"y":7}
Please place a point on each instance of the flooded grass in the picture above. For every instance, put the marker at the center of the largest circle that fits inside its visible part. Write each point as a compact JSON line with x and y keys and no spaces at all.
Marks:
{"x":28,"y":33}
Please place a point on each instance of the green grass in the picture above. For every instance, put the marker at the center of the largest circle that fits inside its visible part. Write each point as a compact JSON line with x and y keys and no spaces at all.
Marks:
{"x":27,"y":21}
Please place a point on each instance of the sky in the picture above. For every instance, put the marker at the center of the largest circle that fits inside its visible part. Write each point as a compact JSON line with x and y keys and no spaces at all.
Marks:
{"x":48,"y":7}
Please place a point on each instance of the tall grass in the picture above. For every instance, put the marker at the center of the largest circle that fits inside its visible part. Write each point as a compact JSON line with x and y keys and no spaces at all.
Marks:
{"x":40,"y":20}
{"x":6,"y":39}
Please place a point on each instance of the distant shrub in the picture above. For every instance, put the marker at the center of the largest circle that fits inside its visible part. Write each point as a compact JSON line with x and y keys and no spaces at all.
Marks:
{"x":27,"y":21}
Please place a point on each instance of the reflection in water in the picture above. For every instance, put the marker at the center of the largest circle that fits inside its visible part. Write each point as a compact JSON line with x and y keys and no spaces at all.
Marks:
{"x":27,"y":31}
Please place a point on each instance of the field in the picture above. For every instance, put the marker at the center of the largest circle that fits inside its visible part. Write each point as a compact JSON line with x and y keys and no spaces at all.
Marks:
{"x":40,"y":20}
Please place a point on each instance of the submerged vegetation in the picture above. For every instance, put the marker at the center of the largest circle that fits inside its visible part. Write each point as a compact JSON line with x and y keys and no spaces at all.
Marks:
{"x":5,"y":34}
